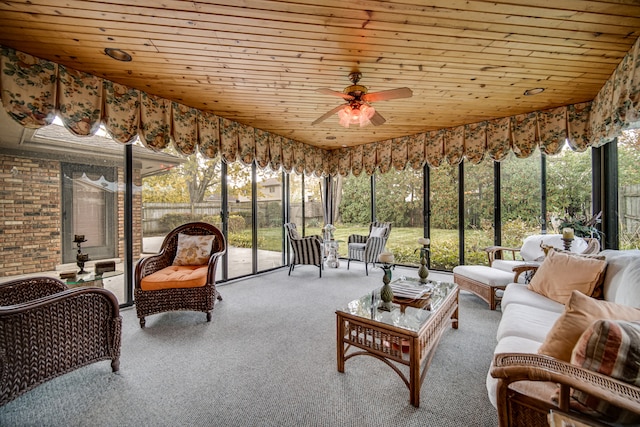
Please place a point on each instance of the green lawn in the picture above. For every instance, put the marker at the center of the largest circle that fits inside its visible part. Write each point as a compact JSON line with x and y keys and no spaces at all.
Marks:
{"x":403,"y":242}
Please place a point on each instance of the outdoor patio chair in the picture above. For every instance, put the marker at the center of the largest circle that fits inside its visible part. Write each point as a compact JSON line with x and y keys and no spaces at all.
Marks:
{"x":47,"y":330}
{"x":182,"y":275}
{"x":368,"y":248}
{"x":306,"y":250}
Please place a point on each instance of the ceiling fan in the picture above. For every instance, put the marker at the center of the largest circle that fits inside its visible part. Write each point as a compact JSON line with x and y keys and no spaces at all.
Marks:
{"x":358,"y":109}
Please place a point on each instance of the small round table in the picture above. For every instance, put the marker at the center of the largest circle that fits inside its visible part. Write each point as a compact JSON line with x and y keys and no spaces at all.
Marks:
{"x":331,"y":249}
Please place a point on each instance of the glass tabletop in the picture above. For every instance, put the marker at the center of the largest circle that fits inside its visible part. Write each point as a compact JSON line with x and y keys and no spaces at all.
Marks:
{"x":405,"y":317}
{"x":92,"y":277}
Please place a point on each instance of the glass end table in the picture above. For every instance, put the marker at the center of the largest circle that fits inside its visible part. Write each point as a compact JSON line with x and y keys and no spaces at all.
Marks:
{"x":91,"y":279}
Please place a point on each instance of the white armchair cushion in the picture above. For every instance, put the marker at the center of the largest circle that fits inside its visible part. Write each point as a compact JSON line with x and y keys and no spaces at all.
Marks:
{"x":531,"y":250}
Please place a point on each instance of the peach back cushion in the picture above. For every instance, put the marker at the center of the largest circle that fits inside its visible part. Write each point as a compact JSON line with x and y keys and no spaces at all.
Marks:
{"x":579,"y":313}
{"x":561,"y":273}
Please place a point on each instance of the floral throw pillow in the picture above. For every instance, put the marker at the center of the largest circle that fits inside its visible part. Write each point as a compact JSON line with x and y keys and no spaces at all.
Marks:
{"x":193,"y":250}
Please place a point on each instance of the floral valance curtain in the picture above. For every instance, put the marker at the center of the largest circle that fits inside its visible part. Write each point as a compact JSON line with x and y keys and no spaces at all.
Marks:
{"x":35,"y":90}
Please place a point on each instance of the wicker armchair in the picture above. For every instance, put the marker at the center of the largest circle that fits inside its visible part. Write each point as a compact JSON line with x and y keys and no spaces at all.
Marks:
{"x":306,"y":250}
{"x":47,"y":330}
{"x":197,"y":298}
{"x":368,"y":248}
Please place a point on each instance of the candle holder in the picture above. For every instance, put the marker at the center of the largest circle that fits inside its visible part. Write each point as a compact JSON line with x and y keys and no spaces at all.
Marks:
{"x":81,"y":258}
{"x":567,"y":237}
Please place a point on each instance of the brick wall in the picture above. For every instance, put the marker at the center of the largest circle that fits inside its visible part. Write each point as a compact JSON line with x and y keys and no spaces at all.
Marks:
{"x":29,"y":215}
{"x":137,"y":215}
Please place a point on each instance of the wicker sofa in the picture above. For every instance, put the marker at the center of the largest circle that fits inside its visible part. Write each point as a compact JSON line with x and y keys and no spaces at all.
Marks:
{"x":47,"y":330}
{"x":523,"y":384}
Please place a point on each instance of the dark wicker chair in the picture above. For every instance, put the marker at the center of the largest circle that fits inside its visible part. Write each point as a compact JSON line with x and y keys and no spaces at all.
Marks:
{"x":202,"y":298}
{"x":47,"y":330}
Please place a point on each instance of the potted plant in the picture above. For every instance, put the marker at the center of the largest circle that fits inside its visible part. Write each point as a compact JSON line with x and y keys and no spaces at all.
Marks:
{"x":582,"y":226}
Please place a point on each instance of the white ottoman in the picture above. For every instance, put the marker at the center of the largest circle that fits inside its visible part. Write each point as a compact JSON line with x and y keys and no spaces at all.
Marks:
{"x":482,"y":281}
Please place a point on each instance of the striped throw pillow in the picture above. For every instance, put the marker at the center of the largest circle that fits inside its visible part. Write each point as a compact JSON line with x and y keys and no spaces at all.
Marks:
{"x":612,"y":348}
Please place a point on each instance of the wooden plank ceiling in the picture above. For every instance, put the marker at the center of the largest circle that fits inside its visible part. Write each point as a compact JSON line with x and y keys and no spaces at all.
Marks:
{"x":259,"y":62}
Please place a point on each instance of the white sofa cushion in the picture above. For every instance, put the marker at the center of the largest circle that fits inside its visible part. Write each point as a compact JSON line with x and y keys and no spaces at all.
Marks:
{"x":509,"y":345}
{"x":622,"y":278}
{"x":519,"y":320}
{"x":517,"y":293}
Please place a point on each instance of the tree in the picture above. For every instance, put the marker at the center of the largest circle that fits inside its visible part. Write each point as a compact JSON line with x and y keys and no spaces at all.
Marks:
{"x":238,"y":181}
{"x":629,"y":158}
{"x":355,"y":205}
{"x":191,"y":182}
{"x":201,"y":176}
{"x":165,"y":188}
{"x":399,"y":198}
{"x":569,"y":184}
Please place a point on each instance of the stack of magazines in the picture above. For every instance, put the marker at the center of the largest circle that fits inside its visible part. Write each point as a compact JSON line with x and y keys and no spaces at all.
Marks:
{"x":409,"y":290}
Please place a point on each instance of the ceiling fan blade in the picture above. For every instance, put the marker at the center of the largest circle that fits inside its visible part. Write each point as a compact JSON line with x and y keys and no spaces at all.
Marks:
{"x":328,"y":114}
{"x":327,"y":91}
{"x":385,"y":95}
{"x":377,"y":119}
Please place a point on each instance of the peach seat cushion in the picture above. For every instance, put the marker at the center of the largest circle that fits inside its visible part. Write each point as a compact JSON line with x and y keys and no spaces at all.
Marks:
{"x":175,"y":276}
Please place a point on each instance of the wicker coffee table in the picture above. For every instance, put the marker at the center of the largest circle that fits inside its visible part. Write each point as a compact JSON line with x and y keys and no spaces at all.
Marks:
{"x":405,"y":335}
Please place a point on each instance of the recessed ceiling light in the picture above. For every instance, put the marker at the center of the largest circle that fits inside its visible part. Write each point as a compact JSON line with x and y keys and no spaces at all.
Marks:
{"x":117,"y":54}
{"x":534,"y":91}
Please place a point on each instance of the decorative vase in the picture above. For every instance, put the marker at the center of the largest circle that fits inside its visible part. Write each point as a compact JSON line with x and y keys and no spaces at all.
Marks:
{"x":423,"y":271}
{"x":386,"y":293}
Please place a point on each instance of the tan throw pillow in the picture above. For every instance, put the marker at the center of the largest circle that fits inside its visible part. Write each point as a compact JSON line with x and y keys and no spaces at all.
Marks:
{"x":579,"y":313}
{"x":561,"y":273}
{"x":193,"y":250}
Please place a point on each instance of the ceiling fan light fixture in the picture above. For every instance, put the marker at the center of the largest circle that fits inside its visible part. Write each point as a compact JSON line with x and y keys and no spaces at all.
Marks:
{"x":358,"y":109}
{"x":356,"y":114}
{"x":345,"y":116}
{"x":366,"y":112}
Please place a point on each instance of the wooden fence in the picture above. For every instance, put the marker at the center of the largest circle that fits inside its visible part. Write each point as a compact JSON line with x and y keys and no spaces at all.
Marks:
{"x":268,"y":212}
{"x":629,"y":202}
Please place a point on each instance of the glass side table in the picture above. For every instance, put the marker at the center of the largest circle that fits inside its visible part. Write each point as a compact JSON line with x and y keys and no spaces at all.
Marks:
{"x":91,"y":279}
